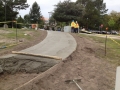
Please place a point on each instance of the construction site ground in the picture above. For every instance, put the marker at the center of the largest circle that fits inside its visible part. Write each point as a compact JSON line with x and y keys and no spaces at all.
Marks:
{"x":84,"y":65}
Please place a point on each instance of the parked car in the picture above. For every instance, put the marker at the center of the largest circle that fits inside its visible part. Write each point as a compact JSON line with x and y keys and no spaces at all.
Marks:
{"x":105,"y":32}
{"x":24,"y":28}
{"x":85,"y":31}
{"x":100,"y":32}
{"x":95,"y":31}
{"x":114,"y":32}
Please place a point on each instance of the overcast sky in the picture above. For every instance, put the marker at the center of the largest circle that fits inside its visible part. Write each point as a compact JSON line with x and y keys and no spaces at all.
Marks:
{"x":48,"y":6}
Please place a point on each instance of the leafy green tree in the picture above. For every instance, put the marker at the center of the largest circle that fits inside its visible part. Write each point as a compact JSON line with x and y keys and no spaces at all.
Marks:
{"x":111,"y":23}
{"x":26,"y":19}
{"x":67,"y":11}
{"x":35,"y":13}
{"x":51,"y":20}
{"x":118,"y":24}
{"x":20,"y":19}
{"x":12,"y":7}
{"x":94,"y":12}
{"x":115,"y":16}
{"x":105,"y":21}
{"x":88,"y":13}
{"x":1,"y":11}
{"x":16,"y":4}
{"x":20,"y":22}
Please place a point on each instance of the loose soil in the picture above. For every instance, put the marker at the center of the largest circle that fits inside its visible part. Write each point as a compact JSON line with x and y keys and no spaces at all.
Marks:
{"x":20,"y":69}
{"x":89,"y":70}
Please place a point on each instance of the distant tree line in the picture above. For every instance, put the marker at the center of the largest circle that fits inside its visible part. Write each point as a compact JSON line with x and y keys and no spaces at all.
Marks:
{"x":34,"y":16}
{"x":9,"y":10}
{"x":90,"y":14}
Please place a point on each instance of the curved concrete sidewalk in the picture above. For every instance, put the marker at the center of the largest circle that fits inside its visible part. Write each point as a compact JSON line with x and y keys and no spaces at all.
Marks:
{"x":59,"y":44}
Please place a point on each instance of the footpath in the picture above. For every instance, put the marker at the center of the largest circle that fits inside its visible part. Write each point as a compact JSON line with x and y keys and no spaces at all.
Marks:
{"x":58,"y":44}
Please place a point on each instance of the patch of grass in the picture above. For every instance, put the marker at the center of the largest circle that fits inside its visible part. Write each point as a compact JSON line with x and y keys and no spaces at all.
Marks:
{"x":113,"y":49}
{"x":8,"y":36}
{"x":15,"y":32}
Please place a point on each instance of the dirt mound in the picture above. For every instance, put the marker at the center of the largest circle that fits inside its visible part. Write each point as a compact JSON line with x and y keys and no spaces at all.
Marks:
{"x":22,"y":68}
{"x":18,"y":75}
{"x":94,"y":72}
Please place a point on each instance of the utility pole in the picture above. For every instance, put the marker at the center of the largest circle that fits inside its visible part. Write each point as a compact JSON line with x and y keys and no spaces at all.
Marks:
{"x":5,"y":16}
{"x":49,"y":18}
{"x":5,"y":10}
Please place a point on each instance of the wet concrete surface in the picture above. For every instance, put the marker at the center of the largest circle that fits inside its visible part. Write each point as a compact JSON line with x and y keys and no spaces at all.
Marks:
{"x":28,"y":64}
{"x":59,"y":44}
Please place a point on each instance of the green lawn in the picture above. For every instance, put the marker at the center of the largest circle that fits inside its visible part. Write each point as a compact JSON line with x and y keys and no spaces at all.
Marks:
{"x":12,"y":36}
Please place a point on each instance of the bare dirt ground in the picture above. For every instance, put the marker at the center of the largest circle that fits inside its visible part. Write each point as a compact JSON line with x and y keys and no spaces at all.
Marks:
{"x":94,"y":72}
{"x":10,"y":79}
